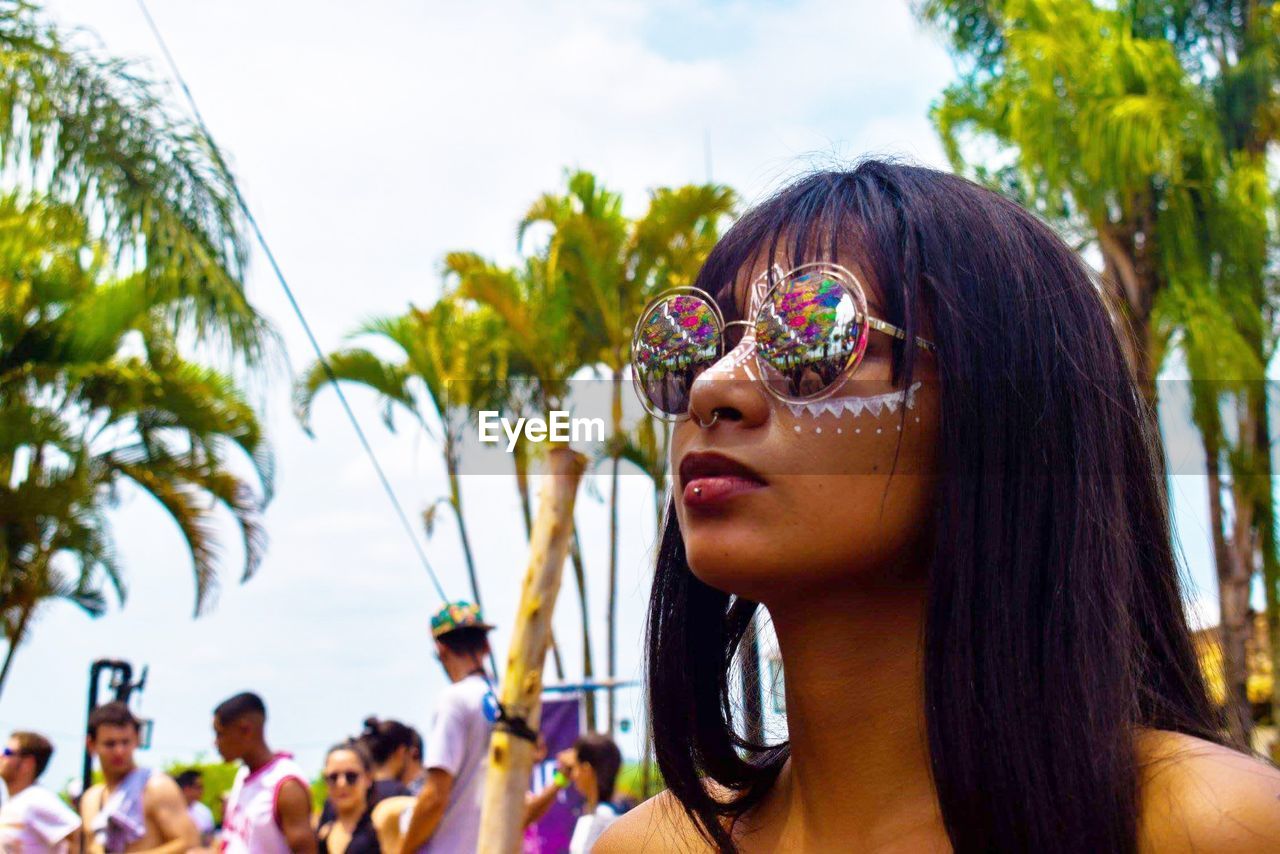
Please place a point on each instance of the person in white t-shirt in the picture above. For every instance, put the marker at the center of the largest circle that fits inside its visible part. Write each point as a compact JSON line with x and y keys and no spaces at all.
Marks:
{"x":592,"y":765}
{"x":446,"y":815}
{"x":33,"y":820}
{"x":192,"y":785}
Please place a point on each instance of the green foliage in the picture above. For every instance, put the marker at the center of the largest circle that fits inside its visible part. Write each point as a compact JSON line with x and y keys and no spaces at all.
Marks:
{"x":451,"y":359}
{"x":1105,"y":122}
{"x":1144,"y":128}
{"x":635,"y":784}
{"x":94,"y":393}
{"x":218,"y":778}
{"x":93,"y":134}
{"x":576,"y":303}
{"x":94,"y":390}
{"x":608,"y":266}
{"x":319,"y":793}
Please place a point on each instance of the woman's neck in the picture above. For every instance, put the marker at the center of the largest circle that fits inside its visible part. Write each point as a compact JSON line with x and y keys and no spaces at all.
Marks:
{"x":350,"y":815}
{"x":855,"y":716}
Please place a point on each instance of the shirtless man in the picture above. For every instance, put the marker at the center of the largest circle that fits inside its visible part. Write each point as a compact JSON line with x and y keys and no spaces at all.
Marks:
{"x":134,"y":809}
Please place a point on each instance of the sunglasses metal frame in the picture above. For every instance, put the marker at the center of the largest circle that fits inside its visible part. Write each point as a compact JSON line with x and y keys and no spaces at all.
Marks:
{"x":842,"y":275}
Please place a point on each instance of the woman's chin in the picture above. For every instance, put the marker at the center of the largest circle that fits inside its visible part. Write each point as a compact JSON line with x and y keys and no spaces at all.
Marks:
{"x":742,"y":570}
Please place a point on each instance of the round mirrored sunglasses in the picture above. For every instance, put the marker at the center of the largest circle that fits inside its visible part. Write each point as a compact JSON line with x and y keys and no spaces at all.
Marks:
{"x":810,"y":333}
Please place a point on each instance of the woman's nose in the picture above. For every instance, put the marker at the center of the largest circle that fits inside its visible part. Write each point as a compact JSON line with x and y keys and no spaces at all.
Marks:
{"x":730,"y":391}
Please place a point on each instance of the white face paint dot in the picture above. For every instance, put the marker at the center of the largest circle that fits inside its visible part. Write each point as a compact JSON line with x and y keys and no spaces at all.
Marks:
{"x":839,"y":430}
{"x":878,"y":430}
{"x":917,"y":420}
{"x":797,"y":428}
{"x":898,"y":428}
{"x":817,"y":429}
{"x":857,"y":429}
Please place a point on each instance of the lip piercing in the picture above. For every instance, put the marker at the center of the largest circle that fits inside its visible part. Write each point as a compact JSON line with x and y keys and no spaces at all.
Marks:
{"x":715,"y":416}
{"x":697,"y":490}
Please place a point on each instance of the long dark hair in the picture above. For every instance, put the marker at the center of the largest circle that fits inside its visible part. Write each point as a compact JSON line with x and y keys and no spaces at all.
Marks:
{"x":382,"y":738}
{"x":1054,"y":624}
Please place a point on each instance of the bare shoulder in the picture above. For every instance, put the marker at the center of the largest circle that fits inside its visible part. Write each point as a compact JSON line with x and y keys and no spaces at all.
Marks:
{"x":389,"y":809}
{"x":658,"y":826}
{"x":91,"y":800}
{"x":386,"y":820}
{"x":1200,"y":796}
{"x":161,"y":789}
{"x":293,"y":794}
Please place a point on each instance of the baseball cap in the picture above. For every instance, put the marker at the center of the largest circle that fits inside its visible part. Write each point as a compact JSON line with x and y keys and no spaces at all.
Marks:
{"x":457,"y":615}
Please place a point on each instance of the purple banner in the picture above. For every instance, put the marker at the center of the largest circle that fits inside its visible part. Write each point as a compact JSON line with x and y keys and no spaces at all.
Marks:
{"x":560,"y":729}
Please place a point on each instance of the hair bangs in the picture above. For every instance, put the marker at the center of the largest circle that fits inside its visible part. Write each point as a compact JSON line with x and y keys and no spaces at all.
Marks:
{"x":838,"y":217}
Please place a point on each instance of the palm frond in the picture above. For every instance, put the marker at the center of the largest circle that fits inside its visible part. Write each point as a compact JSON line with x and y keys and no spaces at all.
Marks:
{"x":94,"y":134}
{"x":183,"y":505}
{"x":359,"y":367}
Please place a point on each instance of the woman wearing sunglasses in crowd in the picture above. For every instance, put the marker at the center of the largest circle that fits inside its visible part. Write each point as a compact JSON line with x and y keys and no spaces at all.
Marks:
{"x":906,"y":425}
{"x":348,"y":773}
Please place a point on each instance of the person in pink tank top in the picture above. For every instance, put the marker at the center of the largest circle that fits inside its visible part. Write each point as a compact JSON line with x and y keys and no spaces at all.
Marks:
{"x":269,"y":807}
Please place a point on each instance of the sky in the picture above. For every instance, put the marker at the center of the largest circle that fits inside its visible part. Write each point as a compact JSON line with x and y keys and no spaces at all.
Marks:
{"x":368,"y":145}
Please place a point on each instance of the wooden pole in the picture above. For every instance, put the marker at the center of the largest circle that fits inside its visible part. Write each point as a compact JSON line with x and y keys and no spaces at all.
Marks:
{"x":510,"y":756}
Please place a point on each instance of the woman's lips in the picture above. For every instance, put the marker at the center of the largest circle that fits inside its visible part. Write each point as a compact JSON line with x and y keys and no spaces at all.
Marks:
{"x":710,"y":491}
{"x":709,"y":479}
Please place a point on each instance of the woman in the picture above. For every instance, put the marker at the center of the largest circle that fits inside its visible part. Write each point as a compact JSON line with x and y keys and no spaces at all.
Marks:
{"x":928,"y":458}
{"x":390,"y":744}
{"x":592,"y":766}
{"x":348,"y":774}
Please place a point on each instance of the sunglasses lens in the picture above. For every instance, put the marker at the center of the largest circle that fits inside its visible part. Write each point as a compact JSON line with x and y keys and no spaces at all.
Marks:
{"x":676,"y":340}
{"x":809,"y":331}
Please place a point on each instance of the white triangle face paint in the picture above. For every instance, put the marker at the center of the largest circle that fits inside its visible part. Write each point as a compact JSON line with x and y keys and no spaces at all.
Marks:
{"x":855,"y":405}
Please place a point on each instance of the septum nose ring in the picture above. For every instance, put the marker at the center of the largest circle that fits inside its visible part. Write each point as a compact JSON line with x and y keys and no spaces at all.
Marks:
{"x":715,"y":416}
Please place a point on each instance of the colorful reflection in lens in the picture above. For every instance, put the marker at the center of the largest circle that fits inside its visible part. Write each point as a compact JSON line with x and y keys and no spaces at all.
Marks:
{"x":677,"y":340}
{"x":808,"y":331}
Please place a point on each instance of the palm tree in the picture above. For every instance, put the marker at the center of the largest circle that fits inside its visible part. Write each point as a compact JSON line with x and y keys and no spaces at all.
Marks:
{"x":33,"y":579}
{"x":1143,"y":128}
{"x":93,"y":134}
{"x":646,"y":446}
{"x":451,"y":361}
{"x":52,"y":516}
{"x":95,"y":394}
{"x":1112,"y":139}
{"x":544,"y":352}
{"x":612,"y":265}
{"x":1233,"y":53}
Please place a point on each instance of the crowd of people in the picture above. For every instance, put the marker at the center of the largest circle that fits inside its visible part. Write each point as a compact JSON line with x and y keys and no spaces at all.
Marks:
{"x":387,"y":789}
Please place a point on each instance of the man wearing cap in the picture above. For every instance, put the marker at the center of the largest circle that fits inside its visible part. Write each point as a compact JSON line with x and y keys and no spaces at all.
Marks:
{"x":446,"y":815}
